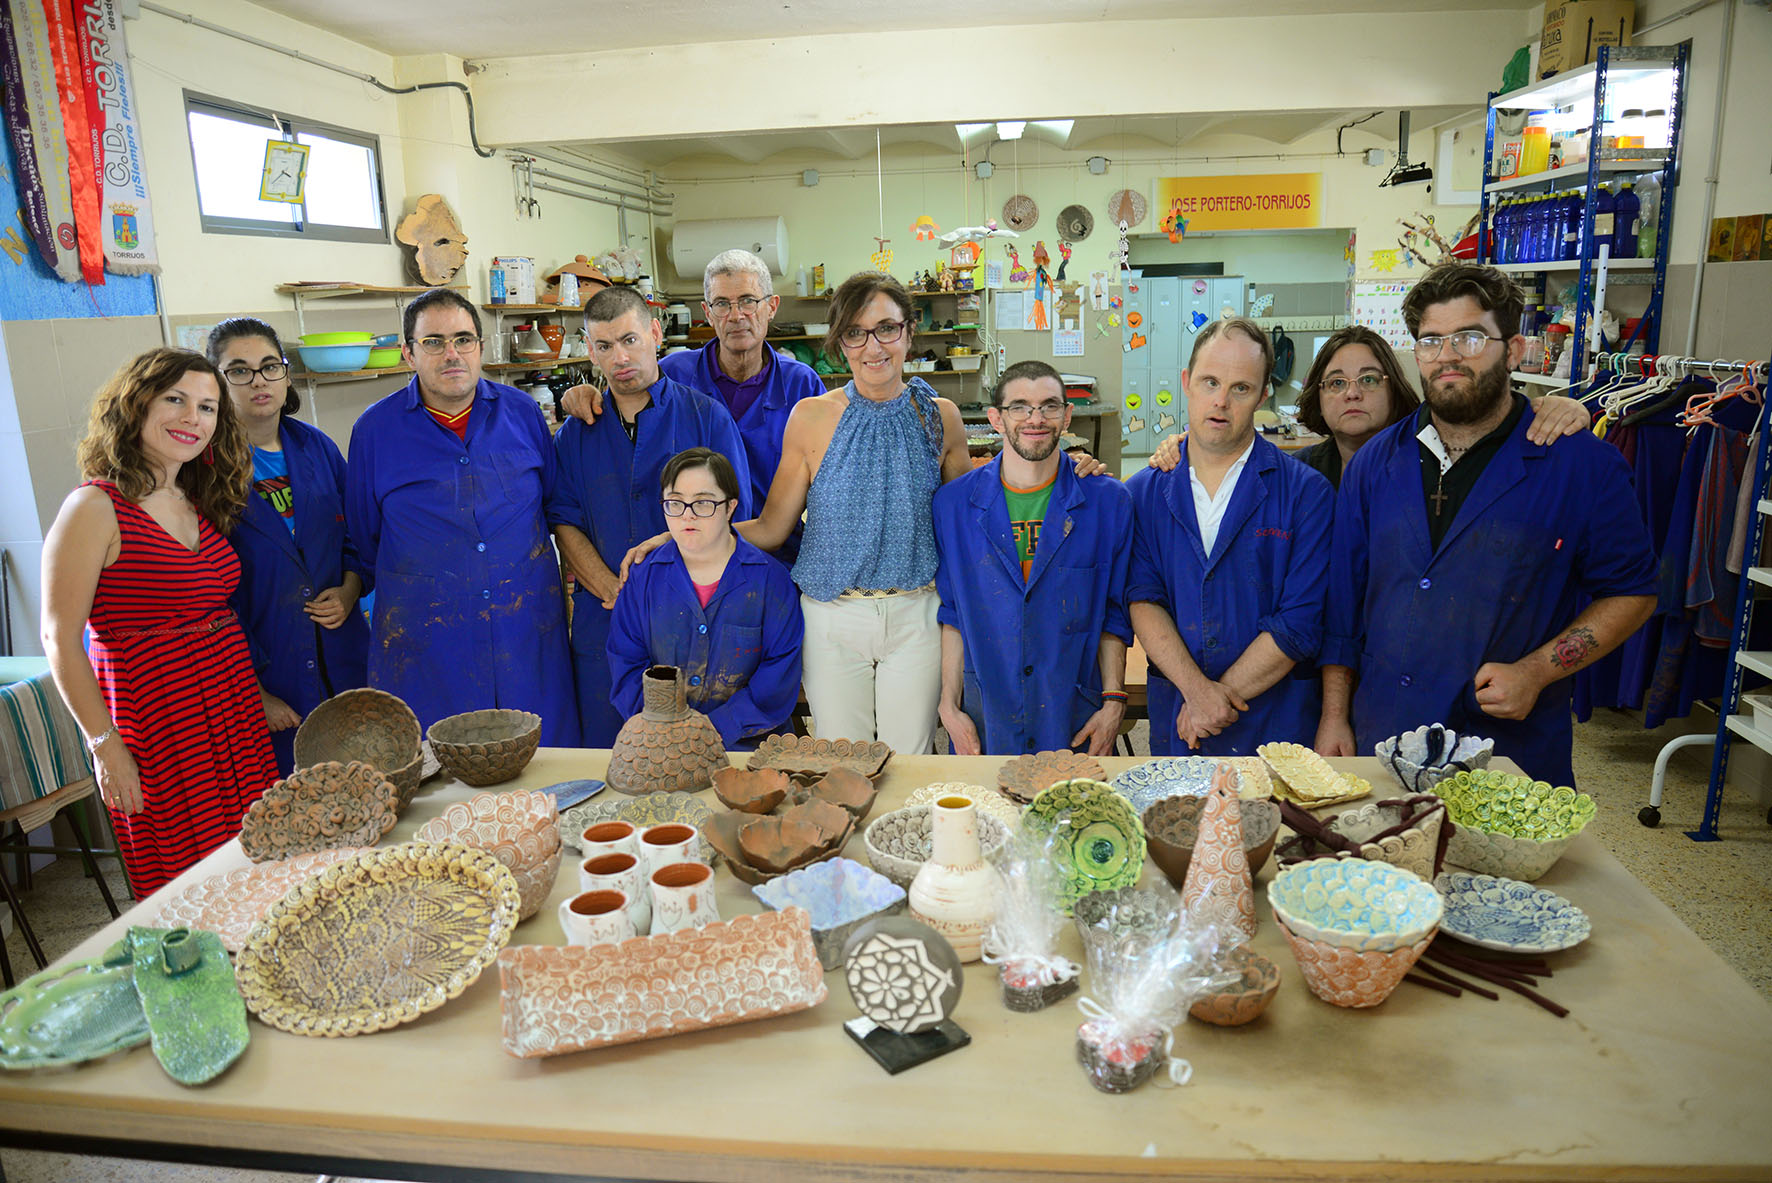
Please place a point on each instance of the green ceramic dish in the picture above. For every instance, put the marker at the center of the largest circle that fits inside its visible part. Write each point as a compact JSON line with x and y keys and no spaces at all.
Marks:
{"x":1498,"y":803}
{"x":71,"y":1013}
{"x":1102,"y":848}
{"x":193,"y":1008}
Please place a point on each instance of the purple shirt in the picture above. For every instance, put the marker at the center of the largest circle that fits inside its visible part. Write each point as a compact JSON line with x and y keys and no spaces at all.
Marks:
{"x":738,"y":396}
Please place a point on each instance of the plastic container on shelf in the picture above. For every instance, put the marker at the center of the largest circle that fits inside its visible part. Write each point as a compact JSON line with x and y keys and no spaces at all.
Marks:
{"x":1534,"y":150}
{"x":1648,"y":215}
{"x":1575,"y":146}
{"x":1569,"y":207}
{"x":1625,"y":218}
{"x":1605,"y":208}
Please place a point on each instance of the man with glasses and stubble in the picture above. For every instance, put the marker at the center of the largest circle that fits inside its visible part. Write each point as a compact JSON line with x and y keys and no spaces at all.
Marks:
{"x":446,"y":498}
{"x":1032,"y":579}
{"x":1464,"y":553}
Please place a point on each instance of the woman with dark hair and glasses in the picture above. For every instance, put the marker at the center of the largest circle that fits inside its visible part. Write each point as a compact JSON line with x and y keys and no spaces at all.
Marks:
{"x":299,"y":575}
{"x":714,"y":606}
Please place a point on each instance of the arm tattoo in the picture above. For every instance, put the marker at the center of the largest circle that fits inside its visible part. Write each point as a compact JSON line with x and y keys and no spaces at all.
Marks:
{"x":1573,"y":648}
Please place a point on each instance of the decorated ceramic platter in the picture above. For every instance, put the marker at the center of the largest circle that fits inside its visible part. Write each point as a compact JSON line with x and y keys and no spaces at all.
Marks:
{"x":1305,"y":778}
{"x":1190,"y":776}
{"x":1102,"y":848}
{"x":378,"y":940}
{"x":799,"y":755}
{"x":654,"y":809}
{"x":229,"y":904}
{"x":71,"y":1013}
{"x":1506,"y":914}
{"x":574,"y":792}
{"x":1023,"y":778}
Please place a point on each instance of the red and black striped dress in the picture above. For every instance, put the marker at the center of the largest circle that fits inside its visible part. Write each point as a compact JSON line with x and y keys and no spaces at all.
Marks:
{"x":175,"y":669}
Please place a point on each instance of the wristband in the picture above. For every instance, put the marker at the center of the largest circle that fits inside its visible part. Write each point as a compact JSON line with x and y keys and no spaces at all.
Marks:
{"x":1114,"y":695}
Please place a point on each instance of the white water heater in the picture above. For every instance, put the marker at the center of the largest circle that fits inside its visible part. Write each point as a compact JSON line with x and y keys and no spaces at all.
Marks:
{"x":693,"y":244}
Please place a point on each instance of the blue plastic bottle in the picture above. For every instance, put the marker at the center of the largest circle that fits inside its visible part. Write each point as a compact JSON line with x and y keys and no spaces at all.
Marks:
{"x":1540,"y":231}
{"x":1569,"y":207}
{"x":1605,"y":216}
{"x":1625,"y":228}
{"x":1507,"y":248}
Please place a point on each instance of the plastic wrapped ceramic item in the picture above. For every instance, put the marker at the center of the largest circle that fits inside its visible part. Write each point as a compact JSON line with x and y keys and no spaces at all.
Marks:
{"x":1026,"y":777}
{"x":1258,"y":982}
{"x":1022,"y":941}
{"x":900,"y":842}
{"x":1509,"y":825}
{"x":68,"y":1014}
{"x":667,"y":746}
{"x":1189,"y":776}
{"x":839,"y":896}
{"x":229,"y":904}
{"x":955,"y":892}
{"x":1408,"y":832}
{"x":1351,"y":977}
{"x":1148,"y":912}
{"x":372,"y":726}
{"x":1172,"y":826}
{"x":1355,"y":904}
{"x":757,"y":790}
{"x":321,"y":807}
{"x":1509,"y":915}
{"x":1219,"y":890}
{"x":188,"y":995}
{"x":1102,"y":844}
{"x":654,"y":809}
{"x":556,"y":1000}
{"x":799,"y":755}
{"x":378,"y":940}
{"x":1305,"y":778}
{"x":902,"y":975}
{"x":1422,"y":758}
{"x":486,"y":747}
{"x":990,"y":802}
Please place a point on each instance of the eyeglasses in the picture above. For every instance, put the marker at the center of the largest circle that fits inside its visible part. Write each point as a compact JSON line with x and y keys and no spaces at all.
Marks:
{"x":243,"y":375}
{"x":1468,"y":343}
{"x":1368,"y":384}
{"x":1018,"y":412}
{"x":886,"y":332}
{"x":434,"y":346}
{"x":702,"y":509}
{"x":744,"y":304}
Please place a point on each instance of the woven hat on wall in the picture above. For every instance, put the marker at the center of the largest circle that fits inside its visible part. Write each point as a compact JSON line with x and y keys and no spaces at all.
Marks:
{"x":1075,"y":223}
{"x":1127,"y":205}
{"x":1020,"y":212}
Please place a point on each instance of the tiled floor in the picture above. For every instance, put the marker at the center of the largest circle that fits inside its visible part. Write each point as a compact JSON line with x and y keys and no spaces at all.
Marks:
{"x":1721,"y":890}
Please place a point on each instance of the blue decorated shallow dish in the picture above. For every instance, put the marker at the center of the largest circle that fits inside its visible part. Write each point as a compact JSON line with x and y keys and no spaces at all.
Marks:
{"x":1506,"y":914}
{"x":1189,"y":776}
{"x":840,"y":895}
{"x":573,"y":792}
{"x":1355,"y":903}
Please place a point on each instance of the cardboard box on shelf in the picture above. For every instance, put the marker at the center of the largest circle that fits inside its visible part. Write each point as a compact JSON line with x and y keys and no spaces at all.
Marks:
{"x":1575,"y":29}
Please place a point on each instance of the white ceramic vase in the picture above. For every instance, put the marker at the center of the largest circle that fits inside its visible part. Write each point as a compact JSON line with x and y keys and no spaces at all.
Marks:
{"x":955,"y":892}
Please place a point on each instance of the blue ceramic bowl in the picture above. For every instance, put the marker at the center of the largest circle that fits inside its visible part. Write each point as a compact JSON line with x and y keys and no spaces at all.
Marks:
{"x":1355,"y":903}
{"x":840,"y":895}
{"x":335,"y":359}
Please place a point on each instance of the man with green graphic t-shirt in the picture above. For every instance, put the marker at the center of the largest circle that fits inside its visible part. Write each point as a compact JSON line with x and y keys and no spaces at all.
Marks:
{"x":1032,"y":581}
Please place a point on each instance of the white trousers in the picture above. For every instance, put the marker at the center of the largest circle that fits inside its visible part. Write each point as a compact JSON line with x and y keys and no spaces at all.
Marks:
{"x":872,"y":668}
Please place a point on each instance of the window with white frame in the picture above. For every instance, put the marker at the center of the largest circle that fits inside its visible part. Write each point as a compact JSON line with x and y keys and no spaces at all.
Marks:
{"x":342,"y":197}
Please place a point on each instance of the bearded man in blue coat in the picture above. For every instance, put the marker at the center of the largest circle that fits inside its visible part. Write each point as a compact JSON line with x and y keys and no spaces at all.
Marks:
{"x":1474,"y":570}
{"x":446,"y":496}
{"x":1229,"y":565}
{"x":1032,"y":579}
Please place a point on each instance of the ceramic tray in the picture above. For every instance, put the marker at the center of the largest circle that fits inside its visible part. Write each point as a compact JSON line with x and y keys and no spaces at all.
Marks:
{"x":229,"y":904}
{"x":1104,"y":847}
{"x":319,"y":808}
{"x":799,"y":755}
{"x":653,"y":809}
{"x":1506,"y":914}
{"x":378,"y":940}
{"x":71,"y":1013}
{"x":1305,"y":778}
{"x":1190,"y":776}
{"x":567,"y":999}
{"x":1025,"y":777}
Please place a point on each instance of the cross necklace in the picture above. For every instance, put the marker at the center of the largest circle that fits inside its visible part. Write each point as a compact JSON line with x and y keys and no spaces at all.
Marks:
{"x":1439,"y":495}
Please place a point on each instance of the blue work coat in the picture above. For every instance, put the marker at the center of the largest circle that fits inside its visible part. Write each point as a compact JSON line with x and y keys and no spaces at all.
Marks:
{"x":1267,"y":573}
{"x":295,"y":659}
{"x":740,"y":656}
{"x":468,"y":611}
{"x":1544,"y":529}
{"x":609,"y":489}
{"x":763,"y":423}
{"x":1032,"y":649}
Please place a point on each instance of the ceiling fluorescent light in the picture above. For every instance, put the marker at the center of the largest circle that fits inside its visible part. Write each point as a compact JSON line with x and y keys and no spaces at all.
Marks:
{"x":1060,"y":128}
{"x":969,"y":131}
{"x":1011,"y":129}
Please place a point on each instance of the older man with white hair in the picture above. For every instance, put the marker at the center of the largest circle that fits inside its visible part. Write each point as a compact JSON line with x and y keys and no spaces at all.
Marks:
{"x":759,"y":385}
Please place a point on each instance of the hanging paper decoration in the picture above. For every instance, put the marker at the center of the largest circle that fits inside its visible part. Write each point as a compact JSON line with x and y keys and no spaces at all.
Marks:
{"x":1020,"y":212}
{"x":1196,"y":322}
{"x":925,"y":229}
{"x":1262,"y":304}
{"x":1136,"y":341}
{"x":1075,"y":223}
{"x":1120,"y":254}
{"x":882,"y":258}
{"x":1175,"y":224}
{"x":1385,"y":261}
{"x":990,"y":229}
{"x":1064,"y":260}
{"x":1127,"y":207}
{"x":1017,"y":272}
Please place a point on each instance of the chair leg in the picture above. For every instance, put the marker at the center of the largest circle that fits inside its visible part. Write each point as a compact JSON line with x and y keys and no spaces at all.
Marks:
{"x":6,"y":966}
{"x":91,"y":863}
{"x":24,"y":926}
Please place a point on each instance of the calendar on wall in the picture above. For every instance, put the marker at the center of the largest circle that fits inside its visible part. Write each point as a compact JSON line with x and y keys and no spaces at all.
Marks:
{"x":1379,"y":306}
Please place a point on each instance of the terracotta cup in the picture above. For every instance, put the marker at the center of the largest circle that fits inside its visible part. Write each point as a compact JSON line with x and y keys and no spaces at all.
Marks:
{"x":671,"y":842}
{"x":621,"y":872}
{"x":596,"y":918}
{"x":610,"y":838}
{"x":682,"y":897}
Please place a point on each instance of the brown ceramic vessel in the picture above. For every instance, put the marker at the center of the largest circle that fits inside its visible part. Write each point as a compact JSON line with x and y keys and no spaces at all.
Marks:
{"x":486,"y":747}
{"x":1244,"y":1002}
{"x":667,"y":746}
{"x":751,"y":791}
{"x":1172,"y":825}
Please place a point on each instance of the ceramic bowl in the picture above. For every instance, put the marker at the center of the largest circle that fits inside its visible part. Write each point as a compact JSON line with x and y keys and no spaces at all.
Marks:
{"x":1189,"y":776}
{"x":1422,"y":758}
{"x":751,"y":790}
{"x":900,"y":842}
{"x":486,"y":747}
{"x":368,"y":725}
{"x":323,"y":807}
{"x":1128,"y":910}
{"x":1172,"y":825}
{"x":843,"y":787}
{"x":517,"y":827}
{"x":840,"y":895}
{"x":1351,"y":977}
{"x":1509,"y":825}
{"x":1307,"y":779}
{"x":535,"y":883}
{"x":1413,"y":849}
{"x":1096,"y":840}
{"x":1509,"y":915}
{"x":1355,"y":904}
{"x":1244,"y":1002}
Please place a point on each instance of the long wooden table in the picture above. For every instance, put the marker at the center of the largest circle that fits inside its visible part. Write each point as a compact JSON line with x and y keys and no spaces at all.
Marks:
{"x":1662,"y":1070}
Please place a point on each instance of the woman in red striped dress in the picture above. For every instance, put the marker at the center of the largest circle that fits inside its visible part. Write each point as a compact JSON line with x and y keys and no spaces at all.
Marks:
{"x":172,"y":712}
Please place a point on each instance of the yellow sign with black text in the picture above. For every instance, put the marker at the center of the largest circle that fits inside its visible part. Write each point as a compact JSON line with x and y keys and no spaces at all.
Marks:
{"x":1268,"y":201}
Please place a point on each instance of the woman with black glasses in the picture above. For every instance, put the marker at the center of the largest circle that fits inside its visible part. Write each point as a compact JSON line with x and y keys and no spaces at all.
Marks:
{"x":300,"y":579}
{"x":714,"y":606}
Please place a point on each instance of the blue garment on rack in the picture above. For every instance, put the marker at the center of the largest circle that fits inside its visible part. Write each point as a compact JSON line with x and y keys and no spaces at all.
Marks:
{"x":1673,"y":688}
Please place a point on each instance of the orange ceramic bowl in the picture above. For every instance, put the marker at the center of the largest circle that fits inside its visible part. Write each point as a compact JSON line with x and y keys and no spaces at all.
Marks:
{"x":1348,"y":977}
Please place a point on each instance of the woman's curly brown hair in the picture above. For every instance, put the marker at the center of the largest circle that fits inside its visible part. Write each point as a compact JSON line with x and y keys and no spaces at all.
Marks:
{"x":111,"y":450}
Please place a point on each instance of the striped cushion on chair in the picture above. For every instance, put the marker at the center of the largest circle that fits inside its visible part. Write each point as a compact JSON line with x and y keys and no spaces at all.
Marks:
{"x":41,"y":748}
